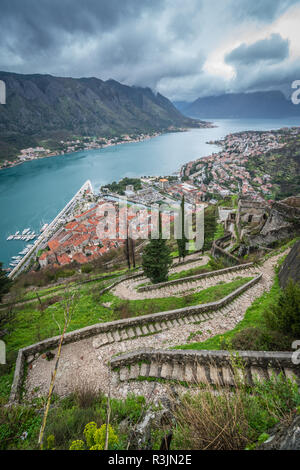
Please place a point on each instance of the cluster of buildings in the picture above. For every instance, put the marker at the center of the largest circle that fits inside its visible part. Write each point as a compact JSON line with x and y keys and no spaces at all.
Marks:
{"x":226,"y":172}
{"x":34,"y":153}
{"x":83,"y":239}
{"x":156,"y":190}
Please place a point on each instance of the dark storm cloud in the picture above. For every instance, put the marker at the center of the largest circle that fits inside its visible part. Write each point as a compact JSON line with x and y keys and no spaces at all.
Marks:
{"x":272,"y":49}
{"x":163,"y":44}
{"x":260,"y":10}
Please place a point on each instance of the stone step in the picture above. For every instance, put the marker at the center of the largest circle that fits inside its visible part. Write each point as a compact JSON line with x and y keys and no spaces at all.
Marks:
{"x":177,"y":372}
{"x":151,"y":328}
{"x":145,"y":330}
{"x":200,"y":374}
{"x":123,"y":335}
{"x":144,"y":370}
{"x":138,"y":331}
{"x":100,"y":341}
{"x":124,"y":374}
{"x":131,"y":333}
{"x":110,"y":337}
{"x":189,"y":373}
{"x":166,"y":371}
{"x":134,"y":371}
{"x":154,"y":369}
{"x":116,"y":335}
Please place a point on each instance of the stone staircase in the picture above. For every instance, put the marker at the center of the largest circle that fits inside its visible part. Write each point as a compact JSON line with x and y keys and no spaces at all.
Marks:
{"x":165,"y":320}
{"x":203,"y":367}
{"x":129,"y":289}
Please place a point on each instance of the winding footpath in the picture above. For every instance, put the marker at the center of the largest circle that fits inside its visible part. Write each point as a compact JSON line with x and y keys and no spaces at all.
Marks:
{"x":85,"y":363}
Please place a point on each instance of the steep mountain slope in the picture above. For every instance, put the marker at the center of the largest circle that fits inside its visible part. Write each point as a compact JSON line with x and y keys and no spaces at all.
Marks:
{"x":264,"y":104}
{"x":43,"y":106}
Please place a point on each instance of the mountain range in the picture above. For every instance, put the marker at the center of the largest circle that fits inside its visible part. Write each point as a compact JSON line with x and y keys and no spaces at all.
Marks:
{"x":42,"y":107}
{"x":261,"y":104}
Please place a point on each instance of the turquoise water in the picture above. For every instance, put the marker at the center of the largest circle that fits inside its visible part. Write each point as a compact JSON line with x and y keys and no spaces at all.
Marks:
{"x":33,"y":193}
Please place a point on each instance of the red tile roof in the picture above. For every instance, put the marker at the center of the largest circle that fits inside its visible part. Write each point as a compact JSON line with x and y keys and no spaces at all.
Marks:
{"x":80,"y":258}
{"x":53,"y":244}
{"x":63,"y":259}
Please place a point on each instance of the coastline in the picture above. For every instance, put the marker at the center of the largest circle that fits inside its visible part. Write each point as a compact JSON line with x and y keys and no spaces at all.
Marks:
{"x":141,"y":138}
{"x":17,"y":163}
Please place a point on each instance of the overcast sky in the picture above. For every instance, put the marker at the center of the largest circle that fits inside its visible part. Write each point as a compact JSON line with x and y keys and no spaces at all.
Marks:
{"x":183,"y":49}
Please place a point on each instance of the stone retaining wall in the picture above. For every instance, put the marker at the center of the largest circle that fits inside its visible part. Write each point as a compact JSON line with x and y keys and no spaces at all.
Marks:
{"x":206,"y":367}
{"x":219,"y":272}
{"x":217,"y":250}
{"x":125,"y":329}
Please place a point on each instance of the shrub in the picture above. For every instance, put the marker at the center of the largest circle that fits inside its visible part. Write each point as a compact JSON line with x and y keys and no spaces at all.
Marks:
{"x":67,"y":424}
{"x":284,"y":315}
{"x":256,"y":339}
{"x":123,"y":309}
{"x":18,"y":423}
{"x":86,"y":397}
{"x":218,"y":419}
{"x":95,"y":437}
{"x":86,"y":269}
{"x":131,"y":408}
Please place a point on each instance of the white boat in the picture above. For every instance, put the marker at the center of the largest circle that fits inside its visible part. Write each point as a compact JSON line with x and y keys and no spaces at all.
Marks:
{"x":10,"y":237}
{"x":44,"y":227}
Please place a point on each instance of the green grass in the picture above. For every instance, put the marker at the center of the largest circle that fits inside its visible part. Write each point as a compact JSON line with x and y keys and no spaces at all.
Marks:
{"x":93,"y":279}
{"x":211,"y":294}
{"x":219,"y":232}
{"x":30,"y":325}
{"x":191,"y":272}
{"x":252,"y":318}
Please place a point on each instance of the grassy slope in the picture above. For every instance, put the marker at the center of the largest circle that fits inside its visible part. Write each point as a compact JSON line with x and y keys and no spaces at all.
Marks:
{"x":30,"y":325}
{"x":253,"y":317}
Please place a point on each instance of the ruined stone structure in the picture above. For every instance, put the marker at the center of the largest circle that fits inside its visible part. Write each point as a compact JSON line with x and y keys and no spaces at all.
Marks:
{"x":261,"y":224}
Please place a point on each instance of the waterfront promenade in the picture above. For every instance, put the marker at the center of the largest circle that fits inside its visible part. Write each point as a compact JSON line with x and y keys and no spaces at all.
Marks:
{"x":43,"y":239}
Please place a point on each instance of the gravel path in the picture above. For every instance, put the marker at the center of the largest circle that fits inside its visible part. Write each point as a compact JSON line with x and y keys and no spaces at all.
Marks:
{"x":82,"y":364}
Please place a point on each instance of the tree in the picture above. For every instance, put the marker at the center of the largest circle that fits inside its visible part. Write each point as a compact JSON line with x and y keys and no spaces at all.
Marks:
{"x":181,"y":242}
{"x":210,"y":225}
{"x":5,"y":282}
{"x":156,"y":258}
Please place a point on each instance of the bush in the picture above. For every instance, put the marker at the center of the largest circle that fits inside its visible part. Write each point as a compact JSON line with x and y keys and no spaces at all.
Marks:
{"x":284,"y":315}
{"x":86,"y":269}
{"x":95,"y":438}
{"x":68,"y":424}
{"x":123,"y":309}
{"x":88,"y":396}
{"x":256,"y":339}
{"x":18,"y":425}
{"x":218,"y":419}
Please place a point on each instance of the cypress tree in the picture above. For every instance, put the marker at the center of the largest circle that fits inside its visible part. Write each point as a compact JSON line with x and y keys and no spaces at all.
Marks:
{"x":156,"y":259}
{"x":181,"y":242}
{"x":5,"y":282}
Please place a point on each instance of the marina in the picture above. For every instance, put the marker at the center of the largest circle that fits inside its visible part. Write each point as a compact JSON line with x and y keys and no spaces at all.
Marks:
{"x":19,"y":263}
{"x":26,"y":235}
